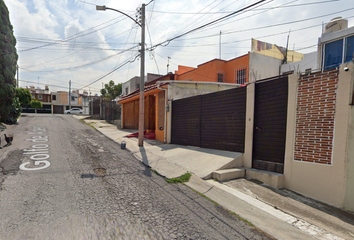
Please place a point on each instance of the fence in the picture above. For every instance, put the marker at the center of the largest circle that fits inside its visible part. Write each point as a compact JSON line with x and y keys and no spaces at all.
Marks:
{"x":111,"y":111}
{"x":95,"y":109}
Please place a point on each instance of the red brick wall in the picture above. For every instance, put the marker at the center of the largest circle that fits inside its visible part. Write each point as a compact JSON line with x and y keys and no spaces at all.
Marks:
{"x":316,"y":105}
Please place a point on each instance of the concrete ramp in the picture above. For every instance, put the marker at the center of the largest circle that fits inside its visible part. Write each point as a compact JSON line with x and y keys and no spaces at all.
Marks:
{"x":200,"y":161}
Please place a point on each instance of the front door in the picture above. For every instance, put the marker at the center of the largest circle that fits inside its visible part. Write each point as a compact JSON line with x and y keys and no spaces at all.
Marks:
{"x":269,"y":133}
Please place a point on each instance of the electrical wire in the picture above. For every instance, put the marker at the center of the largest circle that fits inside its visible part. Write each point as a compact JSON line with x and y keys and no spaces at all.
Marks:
{"x":275,"y":25}
{"x":81,"y":34}
{"x":124,"y":46}
{"x":259,"y":9}
{"x":83,"y":65}
{"x":115,"y":69}
{"x":149,"y":3}
{"x":212,"y":22}
{"x":74,"y":52}
{"x":188,"y":19}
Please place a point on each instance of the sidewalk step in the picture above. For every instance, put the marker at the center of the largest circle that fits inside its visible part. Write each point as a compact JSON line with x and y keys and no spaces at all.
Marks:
{"x":228,"y":174}
{"x":272,"y":179}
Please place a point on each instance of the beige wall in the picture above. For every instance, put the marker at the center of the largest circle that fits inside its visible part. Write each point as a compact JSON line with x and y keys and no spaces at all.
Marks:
{"x":349,"y":191}
{"x":247,"y":156}
{"x":326,"y":183}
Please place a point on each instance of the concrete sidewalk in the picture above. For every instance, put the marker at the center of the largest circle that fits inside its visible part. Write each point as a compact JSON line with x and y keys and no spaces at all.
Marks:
{"x":280,"y":213}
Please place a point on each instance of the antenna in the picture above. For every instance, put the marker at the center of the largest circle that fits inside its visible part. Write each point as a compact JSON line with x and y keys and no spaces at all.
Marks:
{"x":287,"y":46}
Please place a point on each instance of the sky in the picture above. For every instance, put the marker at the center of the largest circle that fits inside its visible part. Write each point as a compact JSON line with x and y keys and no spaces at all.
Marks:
{"x":63,"y":40}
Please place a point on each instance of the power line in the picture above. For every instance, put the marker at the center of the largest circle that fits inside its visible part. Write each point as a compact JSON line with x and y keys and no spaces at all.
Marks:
{"x":224,"y":12}
{"x":77,"y":51}
{"x":50,"y":85}
{"x":269,"y":26}
{"x":83,"y":65}
{"x":149,"y":3}
{"x":189,"y":18}
{"x":81,"y":34}
{"x":212,"y":22}
{"x":130,"y":61}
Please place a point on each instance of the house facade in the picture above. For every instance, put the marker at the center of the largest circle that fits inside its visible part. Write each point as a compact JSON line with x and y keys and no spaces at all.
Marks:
{"x":61,"y":101}
{"x":134,"y":83}
{"x":158,"y":97}
{"x":335,"y":46}
{"x":207,"y":77}
{"x":42,"y":95}
{"x":255,"y":65}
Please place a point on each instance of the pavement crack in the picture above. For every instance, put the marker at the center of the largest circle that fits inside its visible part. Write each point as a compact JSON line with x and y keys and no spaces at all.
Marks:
{"x":208,"y":190}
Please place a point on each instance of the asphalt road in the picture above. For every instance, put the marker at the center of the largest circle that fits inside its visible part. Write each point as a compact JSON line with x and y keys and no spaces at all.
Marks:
{"x":62,"y":179}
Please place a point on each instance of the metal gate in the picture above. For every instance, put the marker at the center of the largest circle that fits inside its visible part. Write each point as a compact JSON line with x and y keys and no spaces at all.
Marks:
{"x":215,"y":120}
{"x":270,"y":116}
{"x":58,"y":109}
{"x":186,"y":121}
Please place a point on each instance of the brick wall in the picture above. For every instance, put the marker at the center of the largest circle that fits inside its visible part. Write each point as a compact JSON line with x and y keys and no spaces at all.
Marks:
{"x":316,"y":105}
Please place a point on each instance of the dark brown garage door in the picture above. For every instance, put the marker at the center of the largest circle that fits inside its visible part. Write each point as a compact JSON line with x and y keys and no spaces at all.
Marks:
{"x":58,"y":109}
{"x":270,"y":116}
{"x":215,"y":120}
{"x":186,"y":121}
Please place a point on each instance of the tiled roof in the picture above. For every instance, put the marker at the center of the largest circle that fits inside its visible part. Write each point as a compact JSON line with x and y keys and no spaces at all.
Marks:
{"x":137,"y":92}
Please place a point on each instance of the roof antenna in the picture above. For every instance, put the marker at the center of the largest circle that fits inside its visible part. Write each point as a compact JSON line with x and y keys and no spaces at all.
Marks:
{"x":286,"y":53}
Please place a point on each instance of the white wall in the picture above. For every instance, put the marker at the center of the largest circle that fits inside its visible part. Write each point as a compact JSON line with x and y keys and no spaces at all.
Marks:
{"x":261,"y":66}
{"x":309,"y":61}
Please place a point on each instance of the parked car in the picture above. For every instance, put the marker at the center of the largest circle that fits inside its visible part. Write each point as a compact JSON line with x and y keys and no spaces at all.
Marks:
{"x":74,"y":111}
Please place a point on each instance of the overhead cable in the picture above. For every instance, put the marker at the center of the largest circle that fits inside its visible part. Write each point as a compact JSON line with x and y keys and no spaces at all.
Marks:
{"x":212,"y":22}
{"x":115,"y":69}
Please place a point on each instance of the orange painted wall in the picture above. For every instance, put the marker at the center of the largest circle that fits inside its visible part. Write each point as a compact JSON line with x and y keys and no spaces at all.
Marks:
{"x":208,"y":72}
{"x":236,"y":63}
{"x":183,"y":69}
{"x":63,"y":97}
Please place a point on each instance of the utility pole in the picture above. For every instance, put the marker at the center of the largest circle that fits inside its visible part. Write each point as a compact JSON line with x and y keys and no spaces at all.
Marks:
{"x":142,"y":73}
{"x":90,"y":104}
{"x":101,"y":105}
{"x":220,"y":46}
{"x":168,"y":63}
{"x":17,"y":75}
{"x":142,"y":66}
{"x":69,"y":94}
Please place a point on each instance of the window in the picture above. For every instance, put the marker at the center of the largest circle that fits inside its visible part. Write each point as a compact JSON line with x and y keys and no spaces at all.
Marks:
{"x":54,"y":97}
{"x":349,"y":49}
{"x":333,"y":54}
{"x":126,"y":91}
{"x":137,"y":85}
{"x":338,"y":52}
{"x":241,"y":76}
{"x":40,"y":97}
{"x":72,"y":98}
{"x":220,"y":77}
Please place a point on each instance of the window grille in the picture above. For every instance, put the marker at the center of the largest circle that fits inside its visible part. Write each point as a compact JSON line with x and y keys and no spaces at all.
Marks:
{"x":241,"y":76}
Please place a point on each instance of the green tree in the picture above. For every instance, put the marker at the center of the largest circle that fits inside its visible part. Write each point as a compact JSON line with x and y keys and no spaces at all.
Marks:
{"x":24,"y":96}
{"x":35,"y":103}
{"x":8,"y":62}
{"x":111,"y":91}
{"x":15,"y":111}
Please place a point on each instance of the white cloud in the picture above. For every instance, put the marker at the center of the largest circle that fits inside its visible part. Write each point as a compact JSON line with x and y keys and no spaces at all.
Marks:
{"x":48,"y":20}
